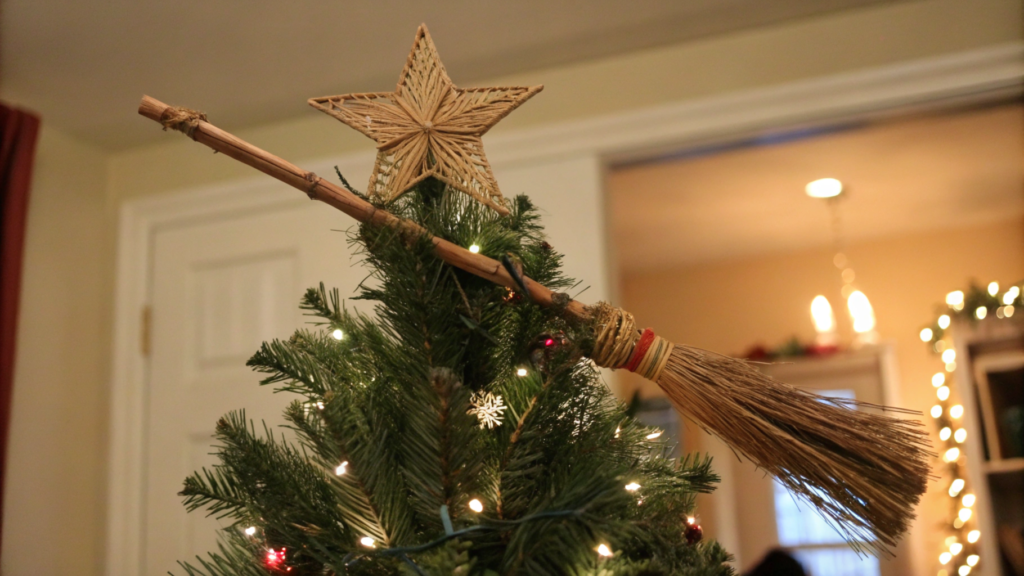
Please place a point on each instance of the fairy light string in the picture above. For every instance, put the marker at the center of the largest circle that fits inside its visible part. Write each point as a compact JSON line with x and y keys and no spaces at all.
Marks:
{"x":961,"y":549}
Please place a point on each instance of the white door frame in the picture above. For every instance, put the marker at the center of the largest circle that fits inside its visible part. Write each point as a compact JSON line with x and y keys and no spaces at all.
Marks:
{"x":965,"y":77}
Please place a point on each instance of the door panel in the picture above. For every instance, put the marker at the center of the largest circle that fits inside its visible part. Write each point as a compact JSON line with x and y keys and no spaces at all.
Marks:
{"x":219,"y":289}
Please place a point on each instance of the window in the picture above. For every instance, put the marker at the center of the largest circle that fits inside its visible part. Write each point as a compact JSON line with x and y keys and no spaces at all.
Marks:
{"x":818,"y":546}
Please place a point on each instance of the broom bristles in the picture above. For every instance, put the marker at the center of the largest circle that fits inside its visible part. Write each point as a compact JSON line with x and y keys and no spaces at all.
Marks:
{"x":864,"y":472}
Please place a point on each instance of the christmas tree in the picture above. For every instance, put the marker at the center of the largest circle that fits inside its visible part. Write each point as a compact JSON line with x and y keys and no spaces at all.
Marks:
{"x":460,"y":432}
{"x":466,"y":429}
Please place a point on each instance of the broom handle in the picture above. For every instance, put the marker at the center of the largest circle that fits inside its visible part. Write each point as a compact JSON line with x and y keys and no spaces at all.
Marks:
{"x":344,"y":200}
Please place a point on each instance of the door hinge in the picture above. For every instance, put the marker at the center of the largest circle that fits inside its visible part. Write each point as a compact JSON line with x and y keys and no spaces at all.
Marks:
{"x":145,"y":330}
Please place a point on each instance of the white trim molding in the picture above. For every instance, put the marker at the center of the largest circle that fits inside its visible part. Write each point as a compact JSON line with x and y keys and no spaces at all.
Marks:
{"x":965,"y":77}
{"x":961,"y":78}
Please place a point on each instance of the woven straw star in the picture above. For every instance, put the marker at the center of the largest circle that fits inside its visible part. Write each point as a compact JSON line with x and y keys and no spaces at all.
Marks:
{"x":428,"y":127}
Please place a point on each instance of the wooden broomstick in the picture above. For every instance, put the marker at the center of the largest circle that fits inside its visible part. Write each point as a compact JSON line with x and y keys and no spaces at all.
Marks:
{"x":864,"y":471}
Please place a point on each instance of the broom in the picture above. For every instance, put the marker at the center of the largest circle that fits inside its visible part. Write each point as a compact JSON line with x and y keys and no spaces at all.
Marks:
{"x":863,"y":471}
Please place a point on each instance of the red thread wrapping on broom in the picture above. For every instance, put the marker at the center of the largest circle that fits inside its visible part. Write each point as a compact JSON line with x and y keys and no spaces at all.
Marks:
{"x":642,"y":345}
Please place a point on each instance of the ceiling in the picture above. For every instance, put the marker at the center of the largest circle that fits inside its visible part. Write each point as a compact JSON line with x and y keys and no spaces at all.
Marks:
{"x":84,"y":64}
{"x":925,"y":173}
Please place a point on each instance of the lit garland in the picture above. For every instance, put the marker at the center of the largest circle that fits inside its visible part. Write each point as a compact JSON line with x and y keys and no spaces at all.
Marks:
{"x":961,"y":551}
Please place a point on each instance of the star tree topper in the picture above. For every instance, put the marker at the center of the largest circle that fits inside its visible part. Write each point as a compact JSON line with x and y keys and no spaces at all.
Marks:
{"x":428,"y":127}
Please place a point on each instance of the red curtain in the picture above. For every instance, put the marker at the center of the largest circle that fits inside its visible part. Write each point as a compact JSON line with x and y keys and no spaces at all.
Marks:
{"x":18,"y":131}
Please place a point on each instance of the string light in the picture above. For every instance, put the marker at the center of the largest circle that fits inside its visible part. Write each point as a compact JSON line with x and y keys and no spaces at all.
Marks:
{"x":341,"y":469}
{"x":338,"y":334}
{"x":1011,"y":295}
{"x":968,"y":500}
{"x":605,"y":551}
{"x":250,"y":531}
{"x":960,"y":436}
{"x":955,"y":299}
{"x":965,"y":514}
{"x":943,"y":393}
{"x":980,"y":312}
{"x":973,"y":536}
{"x":964,"y":570}
{"x":949,"y":356}
{"x":936,"y":411}
{"x":926,"y":335}
{"x":956,"y":487}
{"x":956,"y":548}
{"x":956,"y":411}
{"x":474,"y":249}
{"x":476,"y":506}
{"x":945,"y":557}
{"x":972,"y":560}
{"x":945,"y":433}
{"x":938,"y":379}
{"x":367,"y":541}
{"x":654,"y":435}
{"x":950,"y":366}
{"x":521,"y":372}
{"x":274,"y":558}
{"x":944,"y":321}
{"x":993,"y":288}
{"x":952,"y":454}
{"x":632,"y":486}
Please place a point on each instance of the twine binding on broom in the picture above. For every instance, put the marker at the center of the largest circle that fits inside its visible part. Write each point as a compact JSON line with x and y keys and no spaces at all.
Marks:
{"x":865,"y":472}
{"x":184,"y":120}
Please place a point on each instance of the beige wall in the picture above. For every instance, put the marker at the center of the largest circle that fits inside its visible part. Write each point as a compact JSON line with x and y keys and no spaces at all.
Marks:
{"x":57,"y":460}
{"x":56,"y":468}
{"x":729,"y":306}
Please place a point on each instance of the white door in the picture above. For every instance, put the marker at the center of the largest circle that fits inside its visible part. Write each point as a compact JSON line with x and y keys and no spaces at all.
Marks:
{"x":219,"y":287}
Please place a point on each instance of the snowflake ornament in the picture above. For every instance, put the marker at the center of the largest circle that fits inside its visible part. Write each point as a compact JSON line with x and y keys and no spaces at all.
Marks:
{"x":488,"y":408}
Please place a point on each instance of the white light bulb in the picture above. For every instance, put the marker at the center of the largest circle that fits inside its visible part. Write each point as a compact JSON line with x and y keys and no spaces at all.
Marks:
{"x":968,"y":500}
{"x":476,"y":505}
{"x":950,"y":366}
{"x":604,"y":550}
{"x":944,"y":558}
{"x":949,"y":355}
{"x":474,"y":249}
{"x":632,"y":486}
{"x":980,"y":312}
{"x":938,"y":379}
{"x":964,"y":570}
{"x":821,"y":315}
{"x":367,"y":541}
{"x":936,"y":411}
{"x":945,"y":433}
{"x":958,"y":523}
{"x":341,"y":469}
{"x":973,"y":536}
{"x":952,"y":454}
{"x":944,"y":321}
{"x":338,"y":334}
{"x":521,"y":372}
{"x":972,"y":560}
{"x":654,"y":435}
{"x":955,"y":298}
{"x":956,"y":411}
{"x":993,"y":288}
{"x":956,"y":487}
{"x":861,"y":311}
{"x":960,"y":436}
{"x":942,"y":392}
{"x":1011,"y":295}
{"x":955,"y":548}
{"x":1008,"y":311}
{"x":824,"y":188}
{"x":926,"y":335}
{"x":965,"y":514}
{"x":250,"y":530}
